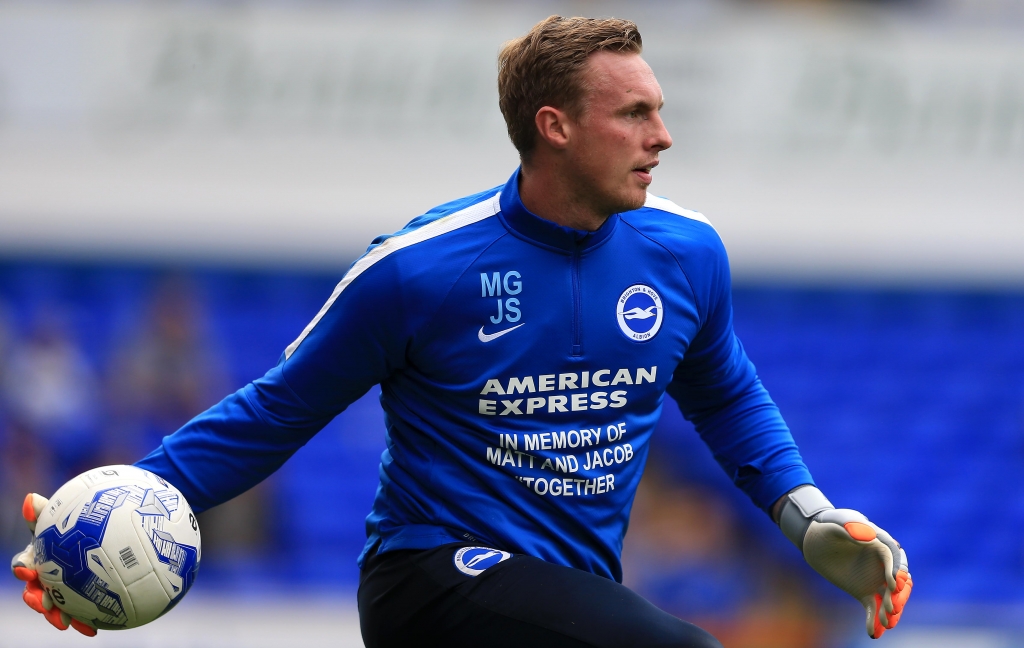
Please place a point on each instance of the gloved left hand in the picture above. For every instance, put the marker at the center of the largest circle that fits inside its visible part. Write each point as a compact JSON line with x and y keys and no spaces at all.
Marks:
{"x":23,"y":566}
{"x":850,"y":552}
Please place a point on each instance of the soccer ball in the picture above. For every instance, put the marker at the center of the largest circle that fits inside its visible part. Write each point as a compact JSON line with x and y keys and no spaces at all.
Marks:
{"x":117,"y":547}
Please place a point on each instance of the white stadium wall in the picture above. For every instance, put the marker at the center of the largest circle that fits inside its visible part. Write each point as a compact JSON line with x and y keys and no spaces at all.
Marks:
{"x":852,"y":145}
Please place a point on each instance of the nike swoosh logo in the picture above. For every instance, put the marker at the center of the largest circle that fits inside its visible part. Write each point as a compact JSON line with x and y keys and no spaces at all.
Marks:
{"x":487,"y":337}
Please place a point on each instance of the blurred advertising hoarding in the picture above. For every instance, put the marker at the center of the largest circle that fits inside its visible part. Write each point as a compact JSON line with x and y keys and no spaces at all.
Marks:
{"x":827,"y":144}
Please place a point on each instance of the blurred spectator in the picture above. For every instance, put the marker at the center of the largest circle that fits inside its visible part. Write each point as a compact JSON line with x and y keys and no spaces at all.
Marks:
{"x":166,"y":374}
{"x":49,"y":412}
{"x":687,"y":554}
{"x":52,"y":396}
{"x":20,"y":467}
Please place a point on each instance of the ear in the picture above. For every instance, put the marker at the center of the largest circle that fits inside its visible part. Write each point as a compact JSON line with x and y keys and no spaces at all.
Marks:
{"x":554,"y":127}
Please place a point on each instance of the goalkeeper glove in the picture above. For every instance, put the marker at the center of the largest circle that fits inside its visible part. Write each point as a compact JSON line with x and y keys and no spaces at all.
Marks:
{"x":23,"y":566}
{"x":851,"y":553}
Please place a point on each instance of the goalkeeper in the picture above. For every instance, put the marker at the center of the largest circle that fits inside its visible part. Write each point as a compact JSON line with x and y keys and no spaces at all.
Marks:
{"x":524,"y":339}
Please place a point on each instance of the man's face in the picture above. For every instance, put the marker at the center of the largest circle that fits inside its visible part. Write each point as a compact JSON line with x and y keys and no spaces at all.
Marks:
{"x":620,"y":132}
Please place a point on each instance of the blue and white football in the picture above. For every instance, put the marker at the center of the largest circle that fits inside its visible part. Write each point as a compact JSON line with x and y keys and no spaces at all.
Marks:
{"x":117,"y":547}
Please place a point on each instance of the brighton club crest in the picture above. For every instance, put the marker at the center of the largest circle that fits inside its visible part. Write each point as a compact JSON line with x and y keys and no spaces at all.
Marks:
{"x":639,"y":312}
{"x":473,"y":561}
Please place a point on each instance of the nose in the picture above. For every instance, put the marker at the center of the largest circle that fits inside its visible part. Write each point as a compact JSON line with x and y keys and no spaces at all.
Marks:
{"x":660,"y":137}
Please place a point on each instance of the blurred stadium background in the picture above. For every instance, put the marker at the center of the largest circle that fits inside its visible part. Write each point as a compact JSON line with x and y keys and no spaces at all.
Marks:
{"x":182,"y":183}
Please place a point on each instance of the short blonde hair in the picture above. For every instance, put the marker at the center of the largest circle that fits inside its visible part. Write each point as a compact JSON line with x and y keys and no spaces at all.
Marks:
{"x":544,"y":68}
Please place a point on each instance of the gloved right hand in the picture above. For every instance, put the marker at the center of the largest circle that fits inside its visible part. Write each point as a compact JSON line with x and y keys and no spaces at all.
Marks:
{"x":23,"y":566}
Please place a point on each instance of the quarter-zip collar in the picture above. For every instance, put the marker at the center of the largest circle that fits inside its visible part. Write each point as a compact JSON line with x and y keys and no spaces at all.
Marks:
{"x":524,"y":223}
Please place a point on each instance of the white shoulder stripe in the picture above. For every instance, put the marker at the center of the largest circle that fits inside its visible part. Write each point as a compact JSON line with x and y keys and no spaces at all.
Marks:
{"x":667,"y":205}
{"x":468,"y":216}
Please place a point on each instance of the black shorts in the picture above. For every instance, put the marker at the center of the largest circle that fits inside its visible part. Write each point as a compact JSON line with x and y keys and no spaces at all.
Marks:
{"x":464,"y":595}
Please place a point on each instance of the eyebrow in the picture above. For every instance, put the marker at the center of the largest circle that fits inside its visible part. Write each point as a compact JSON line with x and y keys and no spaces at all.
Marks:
{"x":641,"y":103}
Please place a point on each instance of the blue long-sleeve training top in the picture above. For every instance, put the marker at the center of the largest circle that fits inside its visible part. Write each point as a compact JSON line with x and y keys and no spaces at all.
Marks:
{"x":522,"y":366}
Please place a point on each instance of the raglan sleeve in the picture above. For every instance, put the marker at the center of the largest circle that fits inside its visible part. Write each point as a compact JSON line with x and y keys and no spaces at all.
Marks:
{"x":718,"y":390}
{"x":356,"y":341}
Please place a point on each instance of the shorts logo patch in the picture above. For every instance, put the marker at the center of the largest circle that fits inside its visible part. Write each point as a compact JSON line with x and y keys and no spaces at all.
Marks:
{"x":472,"y":561}
{"x":639,"y":312}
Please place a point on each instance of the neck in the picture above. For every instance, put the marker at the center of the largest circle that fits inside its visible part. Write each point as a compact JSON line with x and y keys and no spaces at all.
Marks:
{"x":552,"y":195}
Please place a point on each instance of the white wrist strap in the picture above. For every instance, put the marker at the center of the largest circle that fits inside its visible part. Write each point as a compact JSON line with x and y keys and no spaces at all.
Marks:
{"x":802,"y":504}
